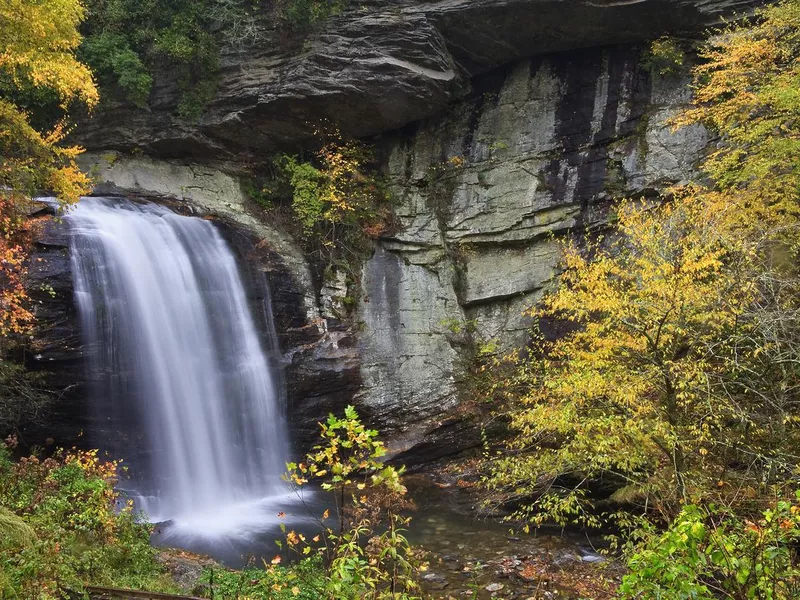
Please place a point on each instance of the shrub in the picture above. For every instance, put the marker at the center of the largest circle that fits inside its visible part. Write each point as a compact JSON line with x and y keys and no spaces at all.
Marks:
{"x":707,"y":553}
{"x":368,"y":555}
{"x":664,"y":57}
{"x":127,"y":41}
{"x":113,"y":59}
{"x":304,"y":580}
{"x":337,"y":189}
{"x":68,"y":533}
{"x":339,"y":202}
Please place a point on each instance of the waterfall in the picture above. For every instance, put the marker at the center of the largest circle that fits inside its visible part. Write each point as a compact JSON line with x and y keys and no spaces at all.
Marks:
{"x":183,"y":383}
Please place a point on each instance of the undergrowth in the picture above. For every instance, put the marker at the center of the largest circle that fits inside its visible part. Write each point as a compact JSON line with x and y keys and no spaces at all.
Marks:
{"x":60,"y":530}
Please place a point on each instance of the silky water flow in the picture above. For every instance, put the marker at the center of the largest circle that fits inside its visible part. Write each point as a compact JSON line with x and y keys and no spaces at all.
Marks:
{"x":185,"y":387}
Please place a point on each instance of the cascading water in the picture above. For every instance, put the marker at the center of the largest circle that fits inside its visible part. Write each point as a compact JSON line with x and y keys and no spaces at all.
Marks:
{"x":178,"y":365}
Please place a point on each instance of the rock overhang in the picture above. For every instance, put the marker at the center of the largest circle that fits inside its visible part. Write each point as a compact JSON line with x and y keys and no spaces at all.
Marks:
{"x":381,"y":66}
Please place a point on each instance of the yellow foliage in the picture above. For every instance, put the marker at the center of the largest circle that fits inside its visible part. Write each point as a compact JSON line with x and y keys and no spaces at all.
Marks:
{"x":675,"y":352}
{"x":748,"y":88}
{"x":37,"y":45}
{"x":623,"y":390}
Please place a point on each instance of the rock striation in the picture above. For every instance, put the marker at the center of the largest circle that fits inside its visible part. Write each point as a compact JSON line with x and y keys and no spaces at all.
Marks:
{"x":378,"y":67}
{"x":485,"y":190}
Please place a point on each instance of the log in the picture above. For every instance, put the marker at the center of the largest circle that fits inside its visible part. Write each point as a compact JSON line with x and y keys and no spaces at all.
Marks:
{"x":97,"y":592}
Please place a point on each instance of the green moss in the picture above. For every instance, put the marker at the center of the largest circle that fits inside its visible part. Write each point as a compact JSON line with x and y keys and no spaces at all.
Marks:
{"x":614,"y":184}
{"x":14,"y":531}
{"x":640,"y":134}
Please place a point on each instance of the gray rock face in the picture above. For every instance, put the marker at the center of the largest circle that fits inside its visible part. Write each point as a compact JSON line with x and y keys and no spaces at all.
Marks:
{"x":380,"y":66}
{"x":491,"y":154}
{"x":408,"y":361}
{"x":57,"y":348}
{"x":544,"y":149}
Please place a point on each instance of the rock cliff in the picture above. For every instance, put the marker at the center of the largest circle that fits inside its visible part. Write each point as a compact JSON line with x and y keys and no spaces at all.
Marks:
{"x":545,"y":149}
{"x":381,"y":65}
{"x":502,"y":124}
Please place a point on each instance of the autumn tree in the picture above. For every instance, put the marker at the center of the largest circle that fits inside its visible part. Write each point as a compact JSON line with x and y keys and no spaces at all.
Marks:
{"x":37,"y":45}
{"x":677,"y":380}
{"x":622,"y":401}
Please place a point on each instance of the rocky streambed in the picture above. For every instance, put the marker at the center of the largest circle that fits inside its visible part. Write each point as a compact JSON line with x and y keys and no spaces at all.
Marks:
{"x":481,"y":557}
{"x":481,"y":565}
{"x":468,"y":557}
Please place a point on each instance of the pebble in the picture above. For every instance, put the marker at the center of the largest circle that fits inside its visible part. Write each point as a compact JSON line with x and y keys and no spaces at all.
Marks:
{"x":435,"y":582}
{"x":592,"y":558}
{"x":494,"y":587}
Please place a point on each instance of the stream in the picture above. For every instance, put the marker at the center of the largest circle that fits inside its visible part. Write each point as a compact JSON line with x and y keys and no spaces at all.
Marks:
{"x":473,"y":558}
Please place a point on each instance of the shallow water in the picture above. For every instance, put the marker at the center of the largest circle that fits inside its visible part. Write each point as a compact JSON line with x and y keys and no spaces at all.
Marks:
{"x":468,"y":554}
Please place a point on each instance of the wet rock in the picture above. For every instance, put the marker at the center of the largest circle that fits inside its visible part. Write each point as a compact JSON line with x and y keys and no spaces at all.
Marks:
{"x":433,"y":581}
{"x":591,"y":557}
{"x":186,"y":568}
{"x":56,"y":349}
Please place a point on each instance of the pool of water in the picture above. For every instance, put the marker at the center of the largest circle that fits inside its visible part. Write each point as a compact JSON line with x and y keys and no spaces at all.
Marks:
{"x":472,"y":557}
{"x":468,"y":557}
{"x":259,"y":525}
